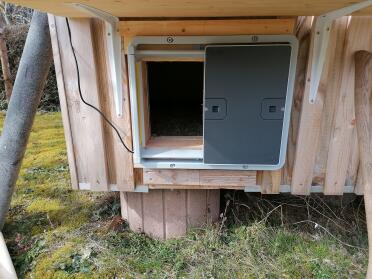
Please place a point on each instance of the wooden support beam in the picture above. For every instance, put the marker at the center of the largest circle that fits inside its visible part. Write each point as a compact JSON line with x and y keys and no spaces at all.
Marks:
{"x":119,"y":160}
{"x":303,"y":30}
{"x":85,"y":123}
{"x":63,"y":102}
{"x":270,"y":181}
{"x":363,"y":92}
{"x":198,"y":179}
{"x":310,"y":125}
{"x":229,"y":27}
{"x":333,"y":88}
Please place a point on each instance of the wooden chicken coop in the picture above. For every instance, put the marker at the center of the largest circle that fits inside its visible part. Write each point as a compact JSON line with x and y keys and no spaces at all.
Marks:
{"x":249,"y":95}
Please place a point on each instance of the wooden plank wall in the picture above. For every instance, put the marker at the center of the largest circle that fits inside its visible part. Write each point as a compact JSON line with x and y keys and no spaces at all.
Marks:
{"x":154,"y":213}
{"x":327,"y":151}
{"x":308,"y":138}
{"x":96,"y":158}
{"x":322,"y":147}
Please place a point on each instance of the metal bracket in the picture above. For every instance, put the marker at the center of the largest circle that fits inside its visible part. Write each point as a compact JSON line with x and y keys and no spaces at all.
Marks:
{"x":320,"y":36}
{"x":114,"y":51}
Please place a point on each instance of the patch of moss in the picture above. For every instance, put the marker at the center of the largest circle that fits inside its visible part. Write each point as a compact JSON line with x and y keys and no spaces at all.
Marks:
{"x":45,"y":205}
{"x":64,"y":262}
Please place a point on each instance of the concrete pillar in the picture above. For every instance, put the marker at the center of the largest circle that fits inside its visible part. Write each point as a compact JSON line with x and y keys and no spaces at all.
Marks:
{"x":165,"y":214}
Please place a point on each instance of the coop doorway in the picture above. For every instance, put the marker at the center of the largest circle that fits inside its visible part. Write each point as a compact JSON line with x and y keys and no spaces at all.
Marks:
{"x":174,"y":95}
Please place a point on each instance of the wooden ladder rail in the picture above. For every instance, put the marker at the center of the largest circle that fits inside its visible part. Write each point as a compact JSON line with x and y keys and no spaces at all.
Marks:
{"x":363,"y":113}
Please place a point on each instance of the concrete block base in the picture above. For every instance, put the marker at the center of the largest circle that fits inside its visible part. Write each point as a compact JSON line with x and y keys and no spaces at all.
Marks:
{"x":165,"y":214}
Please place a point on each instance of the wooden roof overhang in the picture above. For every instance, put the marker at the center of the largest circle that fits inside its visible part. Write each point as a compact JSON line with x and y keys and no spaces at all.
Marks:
{"x":193,"y":8}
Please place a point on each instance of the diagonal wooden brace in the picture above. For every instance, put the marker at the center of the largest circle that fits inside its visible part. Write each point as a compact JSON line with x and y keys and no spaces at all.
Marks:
{"x":319,"y":43}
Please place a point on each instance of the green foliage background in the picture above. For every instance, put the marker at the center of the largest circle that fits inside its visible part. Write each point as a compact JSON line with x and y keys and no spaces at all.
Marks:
{"x":15,"y":36}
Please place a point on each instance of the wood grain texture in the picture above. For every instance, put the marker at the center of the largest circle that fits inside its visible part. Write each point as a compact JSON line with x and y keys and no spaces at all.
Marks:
{"x":322,"y":143}
{"x":135,"y":211}
{"x":104,"y":92}
{"x":119,"y":160}
{"x":192,"y":8}
{"x":86,"y":124}
{"x":153,"y":214}
{"x":363,"y":92}
{"x":124,"y":205}
{"x":130,"y":29}
{"x":165,"y":214}
{"x":353,"y":166}
{"x":193,"y":187}
{"x":98,"y":157}
{"x":227,"y":178}
{"x":270,"y":181}
{"x":340,"y":145}
{"x":196,"y":208}
{"x":207,"y":178}
{"x":213,"y":206}
{"x":302,"y":32}
{"x":175,"y":213}
{"x":332,"y":92}
{"x":63,"y":102}
{"x":146,"y":104}
{"x":171,"y":177}
{"x":179,"y":142}
{"x":310,"y":124}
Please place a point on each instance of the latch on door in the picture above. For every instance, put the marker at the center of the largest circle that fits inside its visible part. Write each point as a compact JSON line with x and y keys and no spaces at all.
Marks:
{"x":215,"y":109}
{"x":273,"y":108}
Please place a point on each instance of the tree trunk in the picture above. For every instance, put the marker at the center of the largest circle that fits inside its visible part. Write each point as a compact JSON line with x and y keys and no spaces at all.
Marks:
{"x":28,"y":87}
{"x":4,"y":54}
{"x":5,"y":66}
{"x":3,"y":8}
{"x":363,"y":110}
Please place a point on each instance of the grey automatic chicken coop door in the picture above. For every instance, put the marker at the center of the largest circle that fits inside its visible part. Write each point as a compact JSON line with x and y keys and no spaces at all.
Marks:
{"x":248,"y":89}
{"x":245,"y":101}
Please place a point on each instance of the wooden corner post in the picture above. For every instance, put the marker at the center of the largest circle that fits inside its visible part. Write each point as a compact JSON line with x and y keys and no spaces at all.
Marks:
{"x":363,"y":92}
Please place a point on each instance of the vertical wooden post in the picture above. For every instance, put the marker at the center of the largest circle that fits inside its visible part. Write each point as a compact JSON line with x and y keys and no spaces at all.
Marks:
{"x":270,"y":181}
{"x":363,"y":90}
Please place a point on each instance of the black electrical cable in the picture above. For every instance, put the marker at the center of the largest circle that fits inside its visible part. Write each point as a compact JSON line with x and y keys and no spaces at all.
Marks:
{"x":81,"y":95}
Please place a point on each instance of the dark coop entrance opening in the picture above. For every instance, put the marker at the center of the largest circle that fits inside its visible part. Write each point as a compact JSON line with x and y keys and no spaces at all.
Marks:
{"x":176,"y":98}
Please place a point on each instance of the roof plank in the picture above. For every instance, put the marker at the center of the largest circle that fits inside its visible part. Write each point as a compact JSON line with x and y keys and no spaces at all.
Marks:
{"x":193,"y":8}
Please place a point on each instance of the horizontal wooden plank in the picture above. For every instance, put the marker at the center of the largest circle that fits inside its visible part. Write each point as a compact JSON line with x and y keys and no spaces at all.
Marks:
{"x":176,"y":142}
{"x":227,"y":178}
{"x":210,"y":178}
{"x":130,"y":29}
{"x":171,"y":177}
{"x":203,"y":27}
{"x":192,"y":8}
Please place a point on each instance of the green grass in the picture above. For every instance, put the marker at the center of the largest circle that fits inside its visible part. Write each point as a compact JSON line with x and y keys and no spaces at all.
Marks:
{"x":54,"y":232}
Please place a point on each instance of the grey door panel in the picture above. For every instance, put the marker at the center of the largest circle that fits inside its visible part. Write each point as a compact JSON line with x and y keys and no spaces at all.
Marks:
{"x":244,"y":99}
